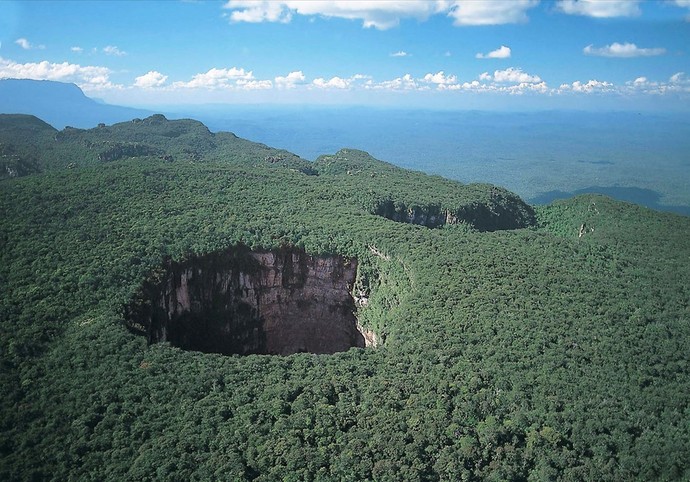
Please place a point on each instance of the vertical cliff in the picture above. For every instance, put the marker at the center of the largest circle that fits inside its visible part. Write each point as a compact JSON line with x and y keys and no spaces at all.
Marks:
{"x":241,"y":302}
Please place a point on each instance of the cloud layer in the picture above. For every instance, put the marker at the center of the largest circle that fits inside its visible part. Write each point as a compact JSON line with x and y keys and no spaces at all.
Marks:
{"x":490,"y":12}
{"x":512,"y":81}
{"x":383,"y":15}
{"x":600,"y":8}
{"x":625,"y":50}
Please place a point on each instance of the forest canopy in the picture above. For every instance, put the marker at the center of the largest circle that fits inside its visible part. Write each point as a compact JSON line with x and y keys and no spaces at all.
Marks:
{"x":515,"y":343}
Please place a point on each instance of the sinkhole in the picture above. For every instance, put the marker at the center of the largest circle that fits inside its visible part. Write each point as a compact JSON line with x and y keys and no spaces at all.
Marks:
{"x":241,"y":301}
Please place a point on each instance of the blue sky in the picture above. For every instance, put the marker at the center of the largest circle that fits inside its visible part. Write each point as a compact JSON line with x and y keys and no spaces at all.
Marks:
{"x":478,"y":54}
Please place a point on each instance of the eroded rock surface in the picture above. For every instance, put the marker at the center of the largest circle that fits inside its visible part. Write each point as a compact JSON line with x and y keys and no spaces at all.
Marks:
{"x":242,"y":302}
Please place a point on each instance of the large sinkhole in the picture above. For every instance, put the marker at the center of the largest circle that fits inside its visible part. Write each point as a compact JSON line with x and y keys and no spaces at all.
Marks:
{"x":243,"y":302}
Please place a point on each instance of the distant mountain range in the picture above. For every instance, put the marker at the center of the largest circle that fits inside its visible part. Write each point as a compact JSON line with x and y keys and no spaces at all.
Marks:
{"x":60,"y":104}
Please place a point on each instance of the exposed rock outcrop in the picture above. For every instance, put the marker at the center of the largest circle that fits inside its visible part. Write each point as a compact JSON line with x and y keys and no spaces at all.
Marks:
{"x":242,"y":302}
{"x":501,"y":210}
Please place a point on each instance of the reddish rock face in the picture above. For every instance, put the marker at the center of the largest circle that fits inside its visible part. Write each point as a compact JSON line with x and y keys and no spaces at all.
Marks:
{"x":242,"y":302}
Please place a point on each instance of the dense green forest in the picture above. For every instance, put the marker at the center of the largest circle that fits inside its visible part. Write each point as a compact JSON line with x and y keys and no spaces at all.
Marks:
{"x":515,"y":343}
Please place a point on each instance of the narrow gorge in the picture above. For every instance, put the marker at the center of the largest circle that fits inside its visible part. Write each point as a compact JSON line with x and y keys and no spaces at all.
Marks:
{"x":243,"y":302}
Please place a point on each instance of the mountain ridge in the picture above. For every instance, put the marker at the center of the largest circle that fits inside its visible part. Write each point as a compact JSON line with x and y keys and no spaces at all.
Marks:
{"x":30,"y":145}
{"x":60,"y":104}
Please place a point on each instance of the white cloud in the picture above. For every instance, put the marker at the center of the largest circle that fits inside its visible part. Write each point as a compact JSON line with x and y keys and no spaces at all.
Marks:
{"x":382,"y":14}
{"x":23,"y":43}
{"x":86,"y":77}
{"x":406,"y":82}
{"x":290,"y":80}
{"x":256,"y":12}
{"x":150,"y":80}
{"x":486,"y":85}
{"x":524,"y":87}
{"x":625,"y":50}
{"x":372,"y":13}
{"x":512,"y":75}
{"x":440,"y":78}
{"x":400,"y":53}
{"x":678,"y":77}
{"x":500,"y":53}
{"x":113,"y":50}
{"x":490,"y":12}
{"x":217,"y":79}
{"x":600,"y":8}
{"x":77,"y":49}
{"x":254,"y":84}
{"x":333,"y":83}
{"x":26,"y":45}
{"x":589,"y":87}
{"x":678,"y":83}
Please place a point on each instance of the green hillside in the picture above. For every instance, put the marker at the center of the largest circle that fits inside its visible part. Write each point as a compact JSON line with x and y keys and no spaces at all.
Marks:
{"x":511,"y":344}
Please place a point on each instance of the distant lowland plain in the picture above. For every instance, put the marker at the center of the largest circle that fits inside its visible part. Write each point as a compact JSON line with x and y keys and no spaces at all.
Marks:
{"x":642,"y":158}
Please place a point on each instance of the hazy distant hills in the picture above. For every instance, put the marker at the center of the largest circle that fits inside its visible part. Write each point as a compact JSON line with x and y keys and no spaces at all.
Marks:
{"x":60,"y":104}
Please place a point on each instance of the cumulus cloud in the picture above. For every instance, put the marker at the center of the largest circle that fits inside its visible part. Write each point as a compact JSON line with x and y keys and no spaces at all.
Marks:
{"x":502,"y":52}
{"x":77,"y":49}
{"x":400,"y":53}
{"x":440,"y":78}
{"x":490,"y":12}
{"x":150,"y":80}
{"x":26,"y":45}
{"x":678,"y":83}
{"x":217,"y":79}
{"x":512,"y":75}
{"x":332,"y":83}
{"x":257,"y":12}
{"x":382,"y":14}
{"x":86,"y":77}
{"x":487,"y":85}
{"x":113,"y":50}
{"x":525,"y":87}
{"x":253,"y":84}
{"x":625,"y":50}
{"x":406,"y":82}
{"x":589,"y":87}
{"x":600,"y":8}
{"x":678,"y":77}
{"x":290,"y":80}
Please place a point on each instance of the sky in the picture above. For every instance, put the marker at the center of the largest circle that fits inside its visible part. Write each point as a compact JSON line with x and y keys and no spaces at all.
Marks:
{"x":459,"y":54}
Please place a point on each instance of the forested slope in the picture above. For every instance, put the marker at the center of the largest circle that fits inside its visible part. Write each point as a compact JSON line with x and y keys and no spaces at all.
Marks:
{"x":553,"y":350}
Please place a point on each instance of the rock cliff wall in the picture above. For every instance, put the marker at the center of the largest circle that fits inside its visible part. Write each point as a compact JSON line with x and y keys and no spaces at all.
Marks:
{"x":242,"y":302}
{"x":501,"y":210}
